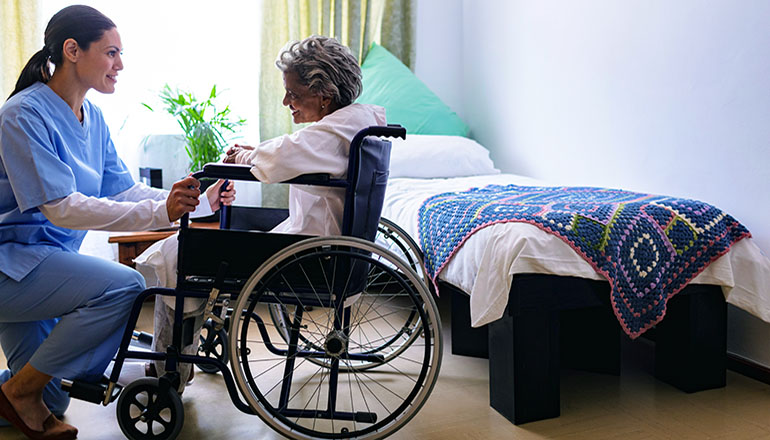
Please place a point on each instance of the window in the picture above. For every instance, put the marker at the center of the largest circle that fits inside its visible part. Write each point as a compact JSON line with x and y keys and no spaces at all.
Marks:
{"x":187,"y":44}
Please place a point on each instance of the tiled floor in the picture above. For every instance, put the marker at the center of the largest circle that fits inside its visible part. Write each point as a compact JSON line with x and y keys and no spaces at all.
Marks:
{"x":632,"y":406}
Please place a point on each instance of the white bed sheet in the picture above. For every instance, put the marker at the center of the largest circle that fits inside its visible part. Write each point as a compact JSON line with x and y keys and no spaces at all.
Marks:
{"x":485,"y":264}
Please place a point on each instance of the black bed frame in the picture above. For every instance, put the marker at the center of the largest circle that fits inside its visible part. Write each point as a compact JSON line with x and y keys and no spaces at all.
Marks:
{"x":553,"y":321}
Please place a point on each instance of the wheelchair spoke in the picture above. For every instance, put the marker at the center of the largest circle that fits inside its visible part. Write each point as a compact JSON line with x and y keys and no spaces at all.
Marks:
{"x":320,"y":369}
{"x":372,"y":392}
{"x":299,"y":300}
{"x":135,"y":402}
{"x":282,"y":379}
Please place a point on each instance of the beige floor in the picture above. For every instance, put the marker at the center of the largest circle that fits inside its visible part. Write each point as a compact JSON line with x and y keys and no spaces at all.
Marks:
{"x":632,"y":406}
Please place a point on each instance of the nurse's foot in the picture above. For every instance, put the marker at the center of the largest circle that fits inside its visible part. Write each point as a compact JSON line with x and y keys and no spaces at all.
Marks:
{"x":56,"y":429}
{"x":24,"y":413}
{"x":29,"y":407}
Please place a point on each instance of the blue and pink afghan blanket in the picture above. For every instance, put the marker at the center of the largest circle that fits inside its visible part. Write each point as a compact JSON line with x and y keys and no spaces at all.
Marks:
{"x":648,"y":247}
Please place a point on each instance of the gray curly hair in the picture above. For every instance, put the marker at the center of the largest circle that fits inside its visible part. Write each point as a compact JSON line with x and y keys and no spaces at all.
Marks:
{"x":324,"y":65}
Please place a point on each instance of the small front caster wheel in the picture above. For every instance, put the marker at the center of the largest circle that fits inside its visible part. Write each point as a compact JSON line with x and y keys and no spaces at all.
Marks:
{"x":147,"y":410}
{"x":213,"y":344}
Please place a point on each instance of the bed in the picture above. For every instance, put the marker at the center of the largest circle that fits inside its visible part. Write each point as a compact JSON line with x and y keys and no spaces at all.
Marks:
{"x":541,"y":304}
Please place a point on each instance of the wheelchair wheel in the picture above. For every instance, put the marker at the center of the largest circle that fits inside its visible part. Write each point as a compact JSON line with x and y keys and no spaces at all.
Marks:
{"x":393,"y":238}
{"x":405,"y":327}
{"x":147,"y":411}
{"x":213,"y":344}
{"x":321,"y":288}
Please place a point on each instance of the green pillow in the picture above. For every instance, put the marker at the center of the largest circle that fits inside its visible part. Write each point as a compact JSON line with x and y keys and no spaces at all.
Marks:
{"x":389,"y":83}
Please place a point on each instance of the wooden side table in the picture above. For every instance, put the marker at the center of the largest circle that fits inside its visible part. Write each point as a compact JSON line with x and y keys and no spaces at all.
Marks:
{"x":132,"y":244}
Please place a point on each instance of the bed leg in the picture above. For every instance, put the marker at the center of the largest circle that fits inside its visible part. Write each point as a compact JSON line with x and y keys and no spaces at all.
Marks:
{"x":524,"y":365}
{"x":466,"y":340}
{"x":691,"y":341}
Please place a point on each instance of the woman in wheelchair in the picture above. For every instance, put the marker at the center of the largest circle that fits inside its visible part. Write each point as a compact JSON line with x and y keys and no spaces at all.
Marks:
{"x":327,"y":333}
{"x":322,"y":79}
{"x":61,"y":313}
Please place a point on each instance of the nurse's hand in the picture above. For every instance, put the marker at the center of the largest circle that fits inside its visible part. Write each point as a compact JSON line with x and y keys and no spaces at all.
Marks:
{"x":238,"y":154}
{"x":216,"y":194}
{"x":183,"y":198}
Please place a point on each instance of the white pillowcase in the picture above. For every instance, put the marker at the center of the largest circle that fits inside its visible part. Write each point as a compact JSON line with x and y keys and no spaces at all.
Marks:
{"x":428,"y":156}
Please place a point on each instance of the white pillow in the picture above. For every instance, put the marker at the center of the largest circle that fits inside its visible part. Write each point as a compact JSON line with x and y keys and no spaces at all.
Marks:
{"x":427,"y":156}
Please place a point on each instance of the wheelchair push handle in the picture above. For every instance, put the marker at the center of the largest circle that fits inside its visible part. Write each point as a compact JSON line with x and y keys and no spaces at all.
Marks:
{"x":391,"y":130}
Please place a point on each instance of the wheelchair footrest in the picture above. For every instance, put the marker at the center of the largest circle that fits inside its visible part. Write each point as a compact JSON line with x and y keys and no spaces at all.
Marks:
{"x":90,"y":392}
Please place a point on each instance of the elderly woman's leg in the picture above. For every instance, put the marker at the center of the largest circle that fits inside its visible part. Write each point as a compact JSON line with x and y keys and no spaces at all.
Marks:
{"x":91,"y":296}
{"x":163,"y":332}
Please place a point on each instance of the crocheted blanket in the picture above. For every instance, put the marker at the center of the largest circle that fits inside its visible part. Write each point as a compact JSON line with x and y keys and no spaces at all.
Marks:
{"x":648,"y":247}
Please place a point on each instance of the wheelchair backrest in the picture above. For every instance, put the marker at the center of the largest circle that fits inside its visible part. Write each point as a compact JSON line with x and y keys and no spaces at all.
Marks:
{"x":368,"y":178}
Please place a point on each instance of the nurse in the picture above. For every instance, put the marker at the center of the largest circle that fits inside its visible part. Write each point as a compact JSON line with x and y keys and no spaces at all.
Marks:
{"x":61,"y":313}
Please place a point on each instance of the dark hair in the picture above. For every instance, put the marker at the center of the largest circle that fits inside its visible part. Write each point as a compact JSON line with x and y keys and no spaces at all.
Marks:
{"x":82,"y":23}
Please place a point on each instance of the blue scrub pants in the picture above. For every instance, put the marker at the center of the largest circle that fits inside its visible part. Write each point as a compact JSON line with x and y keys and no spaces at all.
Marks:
{"x":66,"y":318}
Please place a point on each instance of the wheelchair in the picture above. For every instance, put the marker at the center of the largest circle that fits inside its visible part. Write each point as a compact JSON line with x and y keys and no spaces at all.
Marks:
{"x":326,"y":337}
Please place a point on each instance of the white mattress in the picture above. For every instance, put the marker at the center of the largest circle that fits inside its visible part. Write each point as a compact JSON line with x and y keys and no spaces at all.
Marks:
{"x":485,"y":264}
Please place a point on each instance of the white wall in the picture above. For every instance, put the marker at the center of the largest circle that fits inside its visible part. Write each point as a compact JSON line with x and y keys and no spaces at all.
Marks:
{"x":438,"y":42}
{"x":647,"y":95}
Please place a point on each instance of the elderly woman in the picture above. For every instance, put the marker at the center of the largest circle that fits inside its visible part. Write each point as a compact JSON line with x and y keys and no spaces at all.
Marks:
{"x":322,"y":79}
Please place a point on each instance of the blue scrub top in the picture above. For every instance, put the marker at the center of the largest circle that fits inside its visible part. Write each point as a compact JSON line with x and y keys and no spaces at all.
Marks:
{"x":47,"y":154}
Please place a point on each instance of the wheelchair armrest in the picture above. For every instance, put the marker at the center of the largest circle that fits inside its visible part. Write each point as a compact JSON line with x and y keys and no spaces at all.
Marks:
{"x":226,"y":171}
{"x":243,"y":172}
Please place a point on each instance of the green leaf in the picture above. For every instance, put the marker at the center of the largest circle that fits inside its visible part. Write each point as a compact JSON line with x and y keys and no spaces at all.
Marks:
{"x":204,"y":139}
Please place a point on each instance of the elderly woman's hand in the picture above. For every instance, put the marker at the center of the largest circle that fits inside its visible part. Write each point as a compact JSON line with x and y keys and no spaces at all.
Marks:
{"x":217,"y":195}
{"x":238,"y":154}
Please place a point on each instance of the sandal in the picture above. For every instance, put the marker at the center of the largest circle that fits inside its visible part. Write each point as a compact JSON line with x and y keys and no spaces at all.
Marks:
{"x":53,"y":428}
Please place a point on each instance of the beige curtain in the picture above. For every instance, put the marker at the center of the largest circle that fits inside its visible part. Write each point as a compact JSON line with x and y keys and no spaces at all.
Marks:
{"x":22,"y":36}
{"x":355,"y":23}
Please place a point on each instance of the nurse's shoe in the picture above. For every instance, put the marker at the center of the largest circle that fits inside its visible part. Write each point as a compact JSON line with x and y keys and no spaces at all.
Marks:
{"x":53,"y":428}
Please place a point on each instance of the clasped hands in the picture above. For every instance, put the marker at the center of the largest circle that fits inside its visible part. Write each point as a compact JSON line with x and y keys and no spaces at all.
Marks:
{"x":238,"y":154}
{"x":184,"y":194}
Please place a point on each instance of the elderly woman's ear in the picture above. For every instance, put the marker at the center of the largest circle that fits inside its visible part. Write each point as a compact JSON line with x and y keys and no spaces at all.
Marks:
{"x":326,"y":105}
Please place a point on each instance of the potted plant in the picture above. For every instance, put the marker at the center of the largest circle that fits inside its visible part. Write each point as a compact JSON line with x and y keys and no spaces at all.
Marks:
{"x":203,"y":125}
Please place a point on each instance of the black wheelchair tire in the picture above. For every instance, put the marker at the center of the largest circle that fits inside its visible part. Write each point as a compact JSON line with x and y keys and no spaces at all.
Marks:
{"x":132,"y":411}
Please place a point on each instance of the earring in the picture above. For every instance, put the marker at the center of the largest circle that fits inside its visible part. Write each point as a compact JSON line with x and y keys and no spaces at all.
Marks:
{"x":323,"y":106}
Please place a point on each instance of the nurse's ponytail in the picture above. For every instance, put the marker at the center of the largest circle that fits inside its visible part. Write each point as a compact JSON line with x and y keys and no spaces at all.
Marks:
{"x":35,"y":70}
{"x":82,"y":23}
